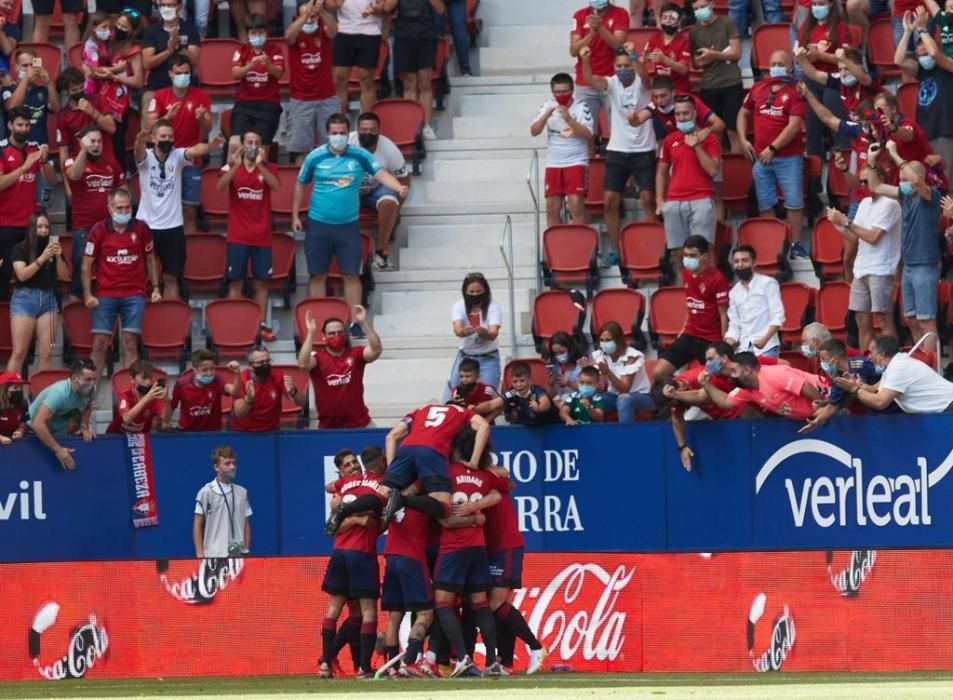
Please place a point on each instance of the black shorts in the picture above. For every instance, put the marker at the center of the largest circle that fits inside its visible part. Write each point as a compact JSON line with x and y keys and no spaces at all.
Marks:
{"x":619,"y":166}
{"x":263,"y":117}
{"x":45,"y":7}
{"x":361,"y":50}
{"x":725,"y":102}
{"x":412,"y":55}
{"x":170,"y":249}
{"x":685,"y":349}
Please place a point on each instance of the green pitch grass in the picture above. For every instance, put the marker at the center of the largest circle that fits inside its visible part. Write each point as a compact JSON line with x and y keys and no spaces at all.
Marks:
{"x":781,"y":686}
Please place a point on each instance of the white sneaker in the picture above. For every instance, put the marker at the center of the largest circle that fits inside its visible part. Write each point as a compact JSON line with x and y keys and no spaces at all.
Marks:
{"x":428,"y":133}
{"x":536,"y":658}
{"x":382,"y":263}
{"x":461,"y":666}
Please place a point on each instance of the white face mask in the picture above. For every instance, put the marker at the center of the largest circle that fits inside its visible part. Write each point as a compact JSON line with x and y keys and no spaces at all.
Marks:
{"x":168,"y":13}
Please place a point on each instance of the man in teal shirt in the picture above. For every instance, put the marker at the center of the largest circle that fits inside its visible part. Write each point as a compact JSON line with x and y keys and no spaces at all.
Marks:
{"x":67,"y":400}
{"x":332,"y":231}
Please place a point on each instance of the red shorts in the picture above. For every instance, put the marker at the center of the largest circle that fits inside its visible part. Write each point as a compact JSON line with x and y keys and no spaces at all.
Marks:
{"x":563,"y":182}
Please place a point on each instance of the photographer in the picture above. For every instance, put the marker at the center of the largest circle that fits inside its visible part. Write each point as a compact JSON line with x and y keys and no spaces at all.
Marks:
{"x":526,"y":403}
{"x":220,"y":527}
{"x":470,"y":392}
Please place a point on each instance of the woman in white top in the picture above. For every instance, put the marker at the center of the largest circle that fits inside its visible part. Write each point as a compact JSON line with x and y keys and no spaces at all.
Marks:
{"x":623,"y":373}
{"x":476,"y":321}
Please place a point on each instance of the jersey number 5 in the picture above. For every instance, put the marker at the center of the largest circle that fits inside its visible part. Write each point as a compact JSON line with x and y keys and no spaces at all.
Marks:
{"x":435,"y":416}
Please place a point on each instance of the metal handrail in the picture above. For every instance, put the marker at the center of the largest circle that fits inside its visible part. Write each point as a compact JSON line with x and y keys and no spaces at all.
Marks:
{"x":920,"y":342}
{"x":532,"y":182}
{"x":506,"y":251}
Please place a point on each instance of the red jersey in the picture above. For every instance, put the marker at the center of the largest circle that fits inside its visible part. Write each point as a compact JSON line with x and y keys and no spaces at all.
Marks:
{"x":143,"y":423}
{"x":119,"y":259}
{"x":407,"y":534}
{"x":184,"y":121}
{"x":201,"y":405}
{"x":339,"y":389}
{"x":602,"y":58}
{"x":358,"y":538}
{"x":466,"y":485}
{"x":258,"y":85}
{"x":917,"y":148}
{"x":91,"y":191}
{"x":309,"y":60}
{"x":772,"y":109}
{"x":852,"y":96}
{"x":822,"y":32}
{"x":11,"y":419}
{"x":249,"y":206}
{"x":679,"y":49}
{"x":502,"y":531}
{"x":481,"y":394}
{"x":19,"y":199}
{"x":265,"y":413}
{"x":70,"y":121}
{"x":435,"y":425}
{"x":704,"y":293}
{"x":667,"y":119}
{"x":687,"y":179}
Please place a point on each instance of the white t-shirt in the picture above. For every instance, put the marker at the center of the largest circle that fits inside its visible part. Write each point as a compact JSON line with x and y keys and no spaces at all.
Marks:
{"x":920,"y":389}
{"x":474,"y":344}
{"x":388,"y":157}
{"x":883,"y":257}
{"x":160,"y":205}
{"x":641,"y":384}
{"x":565,"y":148}
{"x":623,"y":137}
{"x":352,"y":21}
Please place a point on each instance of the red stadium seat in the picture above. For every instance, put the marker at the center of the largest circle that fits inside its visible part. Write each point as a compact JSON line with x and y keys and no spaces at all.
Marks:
{"x":50,"y":54}
{"x":167,"y":330}
{"x":537,"y":370}
{"x":214,"y":201}
{"x":74,"y":56}
{"x":6,"y":335}
{"x":766,"y":39}
{"x":232,"y":326}
{"x":667,"y":313}
{"x":555,"y":311}
{"x":832,"y":301}
{"x":880,"y":50}
{"x":624,"y":306}
{"x":284,"y":82}
{"x":639,"y":37}
{"x":225,"y":122}
{"x":282,"y":266}
{"x":643,"y":254}
{"x":321,"y":308}
{"x":78,"y":334}
{"x":798,"y":361}
{"x":225,"y":376}
{"x":837,"y":188}
{"x":736,"y":182}
{"x":57,"y":26}
{"x":292,"y":413}
{"x":724,"y":240}
{"x":798,"y":300}
{"x":205,"y":261}
{"x":215,"y":66}
{"x":769,"y":237}
{"x":121,"y":381}
{"x":42,"y":379}
{"x":281,"y":199}
{"x":569,"y":257}
{"x":595,"y":196}
{"x":402,"y":121}
{"x":827,"y":250}
{"x":908,"y":94}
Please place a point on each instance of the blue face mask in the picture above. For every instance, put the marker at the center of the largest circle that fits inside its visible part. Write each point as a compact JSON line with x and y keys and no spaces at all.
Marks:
{"x":121,"y":219}
{"x":337,"y":141}
{"x":778,"y":72}
{"x":562,"y":358}
{"x":829,"y":368}
{"x":257,"y":41}
{"x":685,"y":127}
{"x":182,"y":80}
{"x":807,"y":351}
{"x":587,"y":391}
{"x":703,"y":14}
{"x":926,"y":62}
{"x":626,"y":76}
{"x":690,"y":264}
{"x":849,"y":79}
{"x":906,"y":188}
{"x":608,"y":346}
{"x":205,"y":379}
{"x":879,"y":369}
{"x":820,"y":12}
{"x":309,"y":27}
{"x":714,"y":366}
{"x":598,"y":5}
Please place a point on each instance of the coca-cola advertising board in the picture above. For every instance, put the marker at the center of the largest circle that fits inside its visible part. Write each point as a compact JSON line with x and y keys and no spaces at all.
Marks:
{"x":861,"y":610}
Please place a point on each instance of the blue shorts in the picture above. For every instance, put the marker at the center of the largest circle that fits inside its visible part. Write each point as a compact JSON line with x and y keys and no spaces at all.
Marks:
{"x":506,"y":568}
{"x":352,"y":574}
{"x":191,"y":186}
{"x":238,"y":256}
{"x":786,"y":173}
{"x":129,"y":310}
{"x":463,"y":571}
{"x":322,"y":242}
{"x":414,"y":463}
{"x":32,"y":302}
{"x":407,"y":585}
{"x":918,"y":287}
{"x":373,"y":199}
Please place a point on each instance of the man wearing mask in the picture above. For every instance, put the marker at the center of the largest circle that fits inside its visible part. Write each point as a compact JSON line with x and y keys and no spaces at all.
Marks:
{"x":385,"y":201}
{"x":164,"y":42}
{"x":33,"y":89}
{"x":602,"y":28}
{"x":662,"y":109}
{"x":21,"y":162}
{"x":777,"y":111}
{"x":755,"y":310}
{"x":716,"y":49}
{"x":337,"y":370}
{"x":189,"y":109}
{"x":670,"y":53}
{"x":258,"y":392}
{"x":854,"y":84}
{"x":66,"y":402}
{"x":141,"y":403}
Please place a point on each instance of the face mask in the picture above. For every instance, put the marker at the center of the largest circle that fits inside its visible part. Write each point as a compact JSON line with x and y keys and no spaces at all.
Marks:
{"x":690,"y":264}
{"x":164,"y":147}
{"x":849,"y":79}
{"x":926,"y":62}
{"x":598,"y":4}
{"x":778,"y":72}
{"x":744,"y":273}
{"x":337,"y":342}
{"x":143,"y":390}
{"x":16,"y":397}
{"x":256,"y":41}
{"x":670,"y":28}
{"x":906,"y":188}
{"x":685,"y":127}
{"x":625,"y":75}
{"x":251,"y":152}
{"x":704,"y":14}
{"x":829,"y":368}
{"x":309,"y":27}
{"x":182,"y":80}
{"x":227,"y":477}
{"x":121,"y":219}
{"x":587,"y":391}
{"x":820,"y":12}
{"x":667,"y":109}
{"x":262,"y":371}
{"x":205,"y":379}
{"x":880,"y":369}
{"x":122,"y":34}
{"x":21,"y":74}
{"x":562,"y":358}
{"x":608,"y":346}
{"x":338,"y":141}
{"x":168,"y":13}
{"x":808,"y":351}
{"x":368,"y":141}
{"x":466,"y":389}
{"x":103,"y":35}
{"x":563,"y":99}
{"x":475,"y":299}
{"x":87,"y":390}
{"x":714,"y":366}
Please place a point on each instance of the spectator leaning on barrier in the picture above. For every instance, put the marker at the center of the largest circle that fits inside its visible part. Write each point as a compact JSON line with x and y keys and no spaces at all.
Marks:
{"x":66,"y":402}
{"x":198,"y":395}
{"x":337,"y":370}
{"x":755,"y":310}
{"x":141,"y":403}
{"x":524,"y":403}
{"x":482,"y":399}
{"x":13,"y":408}
{"x":258,"y":393}
{"x":476,"y":321}
{"x":220,"y":526}
{"x":602,"y":28}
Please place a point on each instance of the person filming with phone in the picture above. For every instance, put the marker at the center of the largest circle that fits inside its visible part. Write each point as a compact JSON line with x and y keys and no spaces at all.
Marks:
{"x":142,"y":402}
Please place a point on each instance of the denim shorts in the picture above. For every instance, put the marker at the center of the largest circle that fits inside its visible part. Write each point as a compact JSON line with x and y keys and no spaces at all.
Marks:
{"x":918,"y":287}
{"x":786,"y":173}
{"x":342,"y":242}
{"x":129,"y":310}
{"x":32,"y":302}
{"x":191,"y":186}
{"x":372,"y":200}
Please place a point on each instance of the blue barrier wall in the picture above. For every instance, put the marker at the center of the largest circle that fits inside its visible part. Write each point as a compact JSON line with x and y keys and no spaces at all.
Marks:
{"x":870,"y":482}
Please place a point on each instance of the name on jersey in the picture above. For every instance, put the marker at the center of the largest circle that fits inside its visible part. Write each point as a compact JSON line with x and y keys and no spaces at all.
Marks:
{"x":250,"y":193}
{"x":372,"y":484}
{"x":469,"y":479}
{"x":99,"y":183}
{"x":339,"y":379}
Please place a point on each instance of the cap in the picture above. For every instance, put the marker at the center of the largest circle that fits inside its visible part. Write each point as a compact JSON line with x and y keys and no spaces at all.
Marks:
{"x":11,"y":378}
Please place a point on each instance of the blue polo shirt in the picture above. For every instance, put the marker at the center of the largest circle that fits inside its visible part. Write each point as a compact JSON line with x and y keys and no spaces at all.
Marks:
{"x":64,"y":403}
{"x":337,"y":178}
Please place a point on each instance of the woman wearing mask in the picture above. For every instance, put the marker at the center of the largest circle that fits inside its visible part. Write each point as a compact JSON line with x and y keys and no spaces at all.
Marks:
{"x":563,"y":366}
{"x":622,"y":371}
{"x":33,"y":308}
{"x":476,"y":321}
{"x":13,"y":408}
{"x":125,"y":72}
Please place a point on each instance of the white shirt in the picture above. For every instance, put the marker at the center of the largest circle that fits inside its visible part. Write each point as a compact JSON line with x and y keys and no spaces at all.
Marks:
{"x":474,"y":344}
{"x":160,"y":204}
{"x":882,"y":257}
{"x":388,"y":157}
{"x":352,"y":21}
{"x":752,"y":310}
{"x":920,"y":389}
{"x":565,"y":148}
{"x":640,"y":384}
{"x":623,"y":137}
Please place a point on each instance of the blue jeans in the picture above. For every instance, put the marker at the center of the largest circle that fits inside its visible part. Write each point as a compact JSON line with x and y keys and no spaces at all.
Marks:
{"x":128,"y":309}
{"x":738,"y":11}
{"x":489,"y":371}
{"x":457,"y":12}
{"x":32,"y":303}
{"x":625,"y":405}
{"x":918,"y":288}
{"x":786,"y":173}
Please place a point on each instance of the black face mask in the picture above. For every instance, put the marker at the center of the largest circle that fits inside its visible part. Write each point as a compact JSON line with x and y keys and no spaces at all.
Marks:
{"x":367,"y":141}
{"x":121,"y":35}
{"x":143,"y":390}
{"x":473,"y":300}
{"x":164,"y":147}
{"x":16,"y":397}
{"x":262,"y":371}
{"x":670,"y":29}
{"x":744,"y":273}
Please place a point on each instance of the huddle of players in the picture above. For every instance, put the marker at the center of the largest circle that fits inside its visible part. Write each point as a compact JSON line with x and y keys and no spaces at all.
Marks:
{"x":453,"y":551}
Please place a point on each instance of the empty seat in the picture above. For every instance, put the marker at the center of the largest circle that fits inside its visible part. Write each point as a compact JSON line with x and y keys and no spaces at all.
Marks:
{"x":42,"y":379}
{"x":767,"y":39}
{"x":292,"y":413}
{"x":908,"y":95}
{"x":167,"y":330}
{"x":569,"y":257}
{"x":555,"y":311}
{"x":769,"y":237}
{"x":282,"y":266}
{"x":624,"y":306}
{"x":837,"y":188}
{"x":880,"y":50}
{"x":402,"y":121}
{"x":321,"y":308}
{"x":595,"y":195}
{"x":214,"y":201}
{"x":537,"y":369}
{"x":736,"y":182}
{"x":233,"y":326}
{"x":827,"y":250}
{"x":667,"y":314}
{"x":78,"y":334}
{"x":215,"y":66}
{"x":832,"y":299}
{"x":798,"y":301}
{"x":205,"y":260}
{"x":643,"y":256}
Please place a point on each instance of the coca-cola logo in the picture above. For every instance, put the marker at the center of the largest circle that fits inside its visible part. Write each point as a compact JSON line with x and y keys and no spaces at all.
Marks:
{"x":201,"y":588}
{"x":87,"y":645}
{"x":782,"y":636}
{"x":848,"y":580}
{"x":561,"y":621}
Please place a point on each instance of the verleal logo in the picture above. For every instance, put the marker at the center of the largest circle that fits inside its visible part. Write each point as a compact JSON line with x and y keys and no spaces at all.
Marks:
{"x":782,"y":636}
{"x":88,"y":643}
{"x":848,"y":580}
{"x":903,"y":500}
